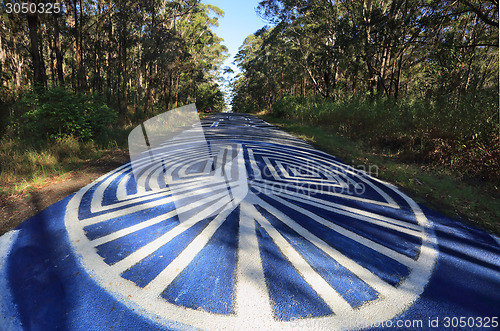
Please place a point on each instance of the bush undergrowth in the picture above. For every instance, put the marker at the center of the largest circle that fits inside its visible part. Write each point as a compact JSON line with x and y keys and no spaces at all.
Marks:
{"x":52,"y":132}
{"x":58,"y":113}
{"x":462,"y":136}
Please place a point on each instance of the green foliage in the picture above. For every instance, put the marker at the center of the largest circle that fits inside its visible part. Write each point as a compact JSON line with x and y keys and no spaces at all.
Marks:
{"x":59,"y":113}
{"x":210,"y":95}
{"x":462,"y":136}
{"x":443,"y":51}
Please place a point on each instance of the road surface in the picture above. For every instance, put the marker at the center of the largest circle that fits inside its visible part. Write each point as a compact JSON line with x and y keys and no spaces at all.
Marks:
{"x":251,"y":229}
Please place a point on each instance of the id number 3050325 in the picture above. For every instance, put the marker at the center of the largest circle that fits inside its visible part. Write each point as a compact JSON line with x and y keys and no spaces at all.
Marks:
{"x":32,"y":8}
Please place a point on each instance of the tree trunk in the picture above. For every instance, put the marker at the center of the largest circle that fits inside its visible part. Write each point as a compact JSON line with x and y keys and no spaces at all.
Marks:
{"x":398,"y":77}
{"x":57,"y":49}
{"x":38,"y":76}
{"x":81,"y":68}
{"x":177,"y":90}
{"x":52,"y":56}
{"x":148,"y":89}
{"x":72,"y":18}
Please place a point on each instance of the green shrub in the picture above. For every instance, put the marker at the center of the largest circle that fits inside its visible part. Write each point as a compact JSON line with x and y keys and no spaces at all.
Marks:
{"x":461,"y":133}
{"x":59,"y":113}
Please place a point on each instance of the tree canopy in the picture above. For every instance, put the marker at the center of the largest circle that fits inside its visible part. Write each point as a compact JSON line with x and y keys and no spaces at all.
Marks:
{"x":416,"y":49}
{"x":143,"y":56}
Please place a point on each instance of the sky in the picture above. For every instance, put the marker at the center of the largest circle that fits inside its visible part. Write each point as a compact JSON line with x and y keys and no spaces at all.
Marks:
{"x":239,"y":21}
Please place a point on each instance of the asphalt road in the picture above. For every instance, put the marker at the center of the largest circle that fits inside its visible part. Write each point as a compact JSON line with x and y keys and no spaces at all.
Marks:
{"x":248,"y":228}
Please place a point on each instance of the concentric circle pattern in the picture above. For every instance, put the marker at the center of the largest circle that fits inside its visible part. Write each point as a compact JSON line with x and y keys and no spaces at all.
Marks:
{"x":252,"y":228}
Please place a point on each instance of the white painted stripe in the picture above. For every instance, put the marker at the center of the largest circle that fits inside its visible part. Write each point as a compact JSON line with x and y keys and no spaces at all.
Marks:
{"x":364,"y":274}
{"x":308,"y":158}
{"x":386,"y":222}
{"x":407,"y":261}
{"x":96,"y":201}
{"x":239,"y":185}
{"x":496,"y":239}
{"x":148,"y":205}
{"x":153,"y":183}
{"x":175,"y":188}
{"x":208,"y":165}
{"x":165,"y":278}
{"x":218,"y":163}
{"x":415,"y":282}
{"x":252,"y":298}
{"x":271,"y":168}
{"x":142,"y":225}
{"x":302,"y":187}
{"x":153,"y":246}
{"x":121,"y":189}
{"x":166,"y":159}
{"x":410,"y":228}
{"x":188,"y":162}
{"x":253,"y":163}
{"x":331,"y":297}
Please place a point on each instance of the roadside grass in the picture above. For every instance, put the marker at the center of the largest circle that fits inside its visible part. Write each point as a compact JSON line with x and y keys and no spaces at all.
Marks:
{"x":436,"y":187}
{"x":28,"y":165}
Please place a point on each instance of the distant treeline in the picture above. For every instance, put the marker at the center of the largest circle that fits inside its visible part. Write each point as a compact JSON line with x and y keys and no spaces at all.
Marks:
{"x":400,"y":48}
{"x":419,"y":77}
{"x":139,"y":56}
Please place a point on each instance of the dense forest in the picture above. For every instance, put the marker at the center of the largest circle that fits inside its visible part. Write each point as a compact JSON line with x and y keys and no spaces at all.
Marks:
{"x":91,"y":63}
{"x":418,"y":77}
{"x":384,"y":48}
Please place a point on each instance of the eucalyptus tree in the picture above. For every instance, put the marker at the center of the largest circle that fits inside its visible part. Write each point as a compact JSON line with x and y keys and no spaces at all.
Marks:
{"x":383,"y":48}
{"x":148,"y":54}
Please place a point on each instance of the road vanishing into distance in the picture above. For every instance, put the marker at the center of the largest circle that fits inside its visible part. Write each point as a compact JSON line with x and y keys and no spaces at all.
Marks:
{"x":247,"y":228}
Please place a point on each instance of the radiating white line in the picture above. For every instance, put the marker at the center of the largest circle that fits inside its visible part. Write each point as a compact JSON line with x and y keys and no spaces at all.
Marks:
{"x":165,"y":278}
{"x":252,"y":298}
{"x":361,"y":272}
{"x":407,"y":261}
{"x":154,"y":245}
{"x":329,"y":295}
{"x":226,"y":163}
{"x":299,"y":186}
{"x":148,"y":205}
{"x":142,"y":225}
{"x":401,"y":226}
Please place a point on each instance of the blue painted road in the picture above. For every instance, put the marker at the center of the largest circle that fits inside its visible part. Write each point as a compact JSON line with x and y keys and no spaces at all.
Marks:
{"x":289,"y":238}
